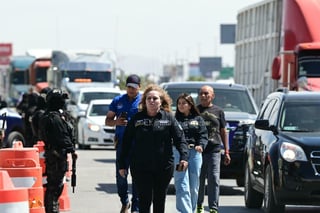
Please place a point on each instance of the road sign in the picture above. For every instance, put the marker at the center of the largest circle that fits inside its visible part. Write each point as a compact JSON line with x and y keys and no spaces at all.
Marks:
{"x":5,"y":49}
{"x":5,"y":60}
{"x":5,"y":53}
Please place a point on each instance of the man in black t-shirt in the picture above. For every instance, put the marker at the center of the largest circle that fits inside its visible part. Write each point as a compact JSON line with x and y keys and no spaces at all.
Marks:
{"x":215,"y":122}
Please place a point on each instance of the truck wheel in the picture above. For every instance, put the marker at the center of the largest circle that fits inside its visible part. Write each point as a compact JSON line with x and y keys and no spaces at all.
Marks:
{"x":15,"y":136}
{"x":252,"y":198}
{"x":270,"y":205}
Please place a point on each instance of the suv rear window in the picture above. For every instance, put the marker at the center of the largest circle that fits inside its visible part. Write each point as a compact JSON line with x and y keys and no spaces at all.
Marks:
{"x":228,"y":99}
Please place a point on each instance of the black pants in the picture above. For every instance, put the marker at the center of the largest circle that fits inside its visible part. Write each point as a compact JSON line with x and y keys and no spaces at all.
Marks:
{"x":152,"y":188}
{"x":56,"y":167}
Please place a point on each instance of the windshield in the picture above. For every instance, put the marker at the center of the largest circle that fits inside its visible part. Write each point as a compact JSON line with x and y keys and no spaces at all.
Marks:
{"x":229,"y":100}
{"x":309,"y":66}
{"x":88,"y":96}
{"x":19,"y":77}
{"x":300,"y":116}
{"x":41,"y":74}
{"x":99,"y":110}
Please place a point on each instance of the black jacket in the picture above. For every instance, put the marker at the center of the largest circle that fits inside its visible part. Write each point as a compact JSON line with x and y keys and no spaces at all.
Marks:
{"x":149,"y":140}
{"x":56,"y":132}
{"x":195,"y":130}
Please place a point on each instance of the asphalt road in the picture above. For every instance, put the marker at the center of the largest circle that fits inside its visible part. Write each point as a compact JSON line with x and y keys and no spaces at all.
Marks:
{"x":96,"y":189}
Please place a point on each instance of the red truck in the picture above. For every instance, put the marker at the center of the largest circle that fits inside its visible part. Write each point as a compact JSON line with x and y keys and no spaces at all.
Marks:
{"x":278,"y":46}
{"x":38,"y":69}
{"x":38,"y":73}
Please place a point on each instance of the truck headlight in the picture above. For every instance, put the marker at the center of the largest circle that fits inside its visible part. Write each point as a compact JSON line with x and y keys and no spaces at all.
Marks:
{"x":291,"y":152}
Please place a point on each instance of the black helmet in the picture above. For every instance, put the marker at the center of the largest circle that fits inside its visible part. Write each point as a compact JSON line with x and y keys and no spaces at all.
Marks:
{"x":56,"y":99}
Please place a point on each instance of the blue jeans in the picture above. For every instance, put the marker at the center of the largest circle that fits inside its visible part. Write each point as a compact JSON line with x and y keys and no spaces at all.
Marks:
{"x":122,"y":186}
{"x":210,"y":169}
{"x":187,"y":182}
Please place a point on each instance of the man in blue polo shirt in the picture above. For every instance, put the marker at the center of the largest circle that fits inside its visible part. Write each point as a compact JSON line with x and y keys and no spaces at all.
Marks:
{"x":122,"y":108}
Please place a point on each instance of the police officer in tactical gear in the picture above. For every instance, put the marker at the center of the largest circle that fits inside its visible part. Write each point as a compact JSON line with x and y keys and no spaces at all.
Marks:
{"x":39,"y":111}
{"x":57,"y":134}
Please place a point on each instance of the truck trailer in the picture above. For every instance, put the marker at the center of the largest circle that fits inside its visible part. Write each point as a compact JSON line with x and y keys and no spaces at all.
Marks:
{"x":278,"y":46}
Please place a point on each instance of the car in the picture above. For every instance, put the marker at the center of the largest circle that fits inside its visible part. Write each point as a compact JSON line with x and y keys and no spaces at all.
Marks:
{"x":80,"y":100}
{"x":283,"y":153}
{"x":240,"y":112}
{"x":12,"y":124}
{"x":91,"y":127}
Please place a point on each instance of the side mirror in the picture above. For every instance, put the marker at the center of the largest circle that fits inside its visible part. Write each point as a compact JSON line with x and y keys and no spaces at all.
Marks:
{"x":276,"y":72}
{"x":262,"y":124}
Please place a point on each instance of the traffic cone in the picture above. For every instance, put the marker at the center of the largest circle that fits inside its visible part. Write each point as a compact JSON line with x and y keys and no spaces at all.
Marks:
{"x":64,"y":199}
{"x":22,"y":165}
{"x":12,"y":200}
{"x":40,"y":146}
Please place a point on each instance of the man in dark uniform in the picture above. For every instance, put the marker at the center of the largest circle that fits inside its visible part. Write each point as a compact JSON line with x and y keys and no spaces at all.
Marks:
{"x":39,"y":111}
{"x":32,"y":101}
{"x":57,"y":133}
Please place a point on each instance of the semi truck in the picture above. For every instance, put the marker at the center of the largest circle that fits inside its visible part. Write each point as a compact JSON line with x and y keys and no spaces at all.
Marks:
{"x":81,"y":67}
{"x":278,"y":47}
{"x":18,"y":77}
{"x":38,"y":69}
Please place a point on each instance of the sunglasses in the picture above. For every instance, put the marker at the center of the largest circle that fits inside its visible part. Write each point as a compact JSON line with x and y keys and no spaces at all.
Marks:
{"x":152,"y":98}
{"x":203,"y":93}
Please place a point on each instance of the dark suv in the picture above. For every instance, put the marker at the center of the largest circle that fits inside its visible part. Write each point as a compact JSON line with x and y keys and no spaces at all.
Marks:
{"x":283,"y":153}
{"x":240,"y":111}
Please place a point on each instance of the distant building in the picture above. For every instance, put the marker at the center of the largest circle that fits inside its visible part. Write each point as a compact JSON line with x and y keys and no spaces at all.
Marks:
{"x":194,"y":70}
{"x":208,"y":65}
{"x":227,"y":33}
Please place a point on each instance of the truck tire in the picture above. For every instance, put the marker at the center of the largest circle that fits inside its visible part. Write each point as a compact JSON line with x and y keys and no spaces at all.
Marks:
{"x":252,"y":198}
{"x":270,"y":205}
{"x":14,"y":136}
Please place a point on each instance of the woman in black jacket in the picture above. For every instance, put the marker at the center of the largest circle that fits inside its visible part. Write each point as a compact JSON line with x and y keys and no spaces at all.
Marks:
{"x":149,"y":138}
{"x":196,"y":134}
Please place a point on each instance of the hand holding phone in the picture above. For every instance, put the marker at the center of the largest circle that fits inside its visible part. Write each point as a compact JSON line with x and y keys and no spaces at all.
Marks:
{"x":124,"y":115}
{"x":122,"y":119}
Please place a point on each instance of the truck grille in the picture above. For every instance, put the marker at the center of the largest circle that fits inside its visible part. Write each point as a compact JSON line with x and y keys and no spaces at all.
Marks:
{"x":109,"y":130}
{"x":237,"y":135}
{"x":315,"y":162}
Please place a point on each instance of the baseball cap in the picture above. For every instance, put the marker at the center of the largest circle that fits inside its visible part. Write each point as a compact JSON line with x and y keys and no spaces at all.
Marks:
{"x":133,"y":81}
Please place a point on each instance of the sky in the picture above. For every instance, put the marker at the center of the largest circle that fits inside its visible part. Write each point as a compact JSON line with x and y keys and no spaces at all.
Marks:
{"x":164,"y":31}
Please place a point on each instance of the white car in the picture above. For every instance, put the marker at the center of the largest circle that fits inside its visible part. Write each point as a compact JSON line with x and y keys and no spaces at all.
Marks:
{"x":91,"y":127}
{"x":81,"y":98}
